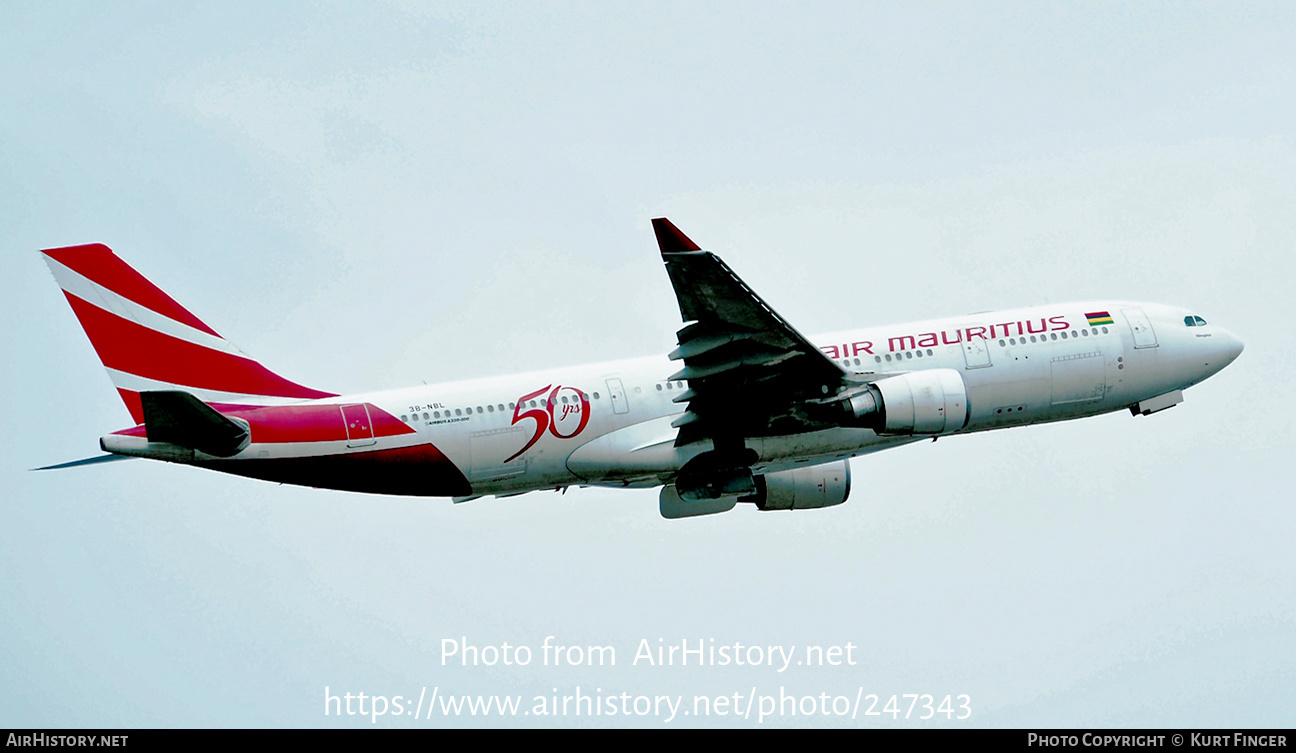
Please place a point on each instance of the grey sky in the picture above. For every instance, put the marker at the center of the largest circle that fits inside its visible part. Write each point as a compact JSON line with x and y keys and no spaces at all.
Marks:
{"x":370,"y":195}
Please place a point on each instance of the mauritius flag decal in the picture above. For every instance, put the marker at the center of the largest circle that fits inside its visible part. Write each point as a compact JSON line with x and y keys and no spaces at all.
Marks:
{"x":1098,"y":317}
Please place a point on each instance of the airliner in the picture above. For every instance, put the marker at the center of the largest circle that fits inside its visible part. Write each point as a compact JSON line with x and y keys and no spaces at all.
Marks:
{"x":746,"y":409}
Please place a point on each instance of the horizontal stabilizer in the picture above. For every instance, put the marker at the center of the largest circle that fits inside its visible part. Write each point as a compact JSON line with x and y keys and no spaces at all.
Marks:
{"x":84,"y":461}
{"x":182,"y":419}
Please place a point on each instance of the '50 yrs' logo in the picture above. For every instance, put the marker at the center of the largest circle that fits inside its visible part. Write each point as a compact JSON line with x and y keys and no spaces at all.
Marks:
{"x":559,"y":414}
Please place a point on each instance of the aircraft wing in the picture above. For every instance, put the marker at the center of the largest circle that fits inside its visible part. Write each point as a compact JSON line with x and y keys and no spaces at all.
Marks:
{"x":749,"y":372}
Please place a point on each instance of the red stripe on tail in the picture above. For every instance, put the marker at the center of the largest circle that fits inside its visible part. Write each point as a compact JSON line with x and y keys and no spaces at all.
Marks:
{"x":126,"y":346}
{"x":133,"y":404}
{"x":97,"y":263}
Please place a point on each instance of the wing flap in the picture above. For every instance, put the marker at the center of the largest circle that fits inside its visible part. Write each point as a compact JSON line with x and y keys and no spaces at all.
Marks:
{"x":746,"y":366}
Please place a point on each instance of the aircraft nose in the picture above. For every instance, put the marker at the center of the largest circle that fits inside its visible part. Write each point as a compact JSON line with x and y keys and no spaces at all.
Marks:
{"x":1235,"y":347}
{"x":1232,"y":347}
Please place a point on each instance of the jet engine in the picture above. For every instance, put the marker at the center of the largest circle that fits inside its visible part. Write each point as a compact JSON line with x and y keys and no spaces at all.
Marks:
{"x":933,"y":401}
{"x":802,"y":488}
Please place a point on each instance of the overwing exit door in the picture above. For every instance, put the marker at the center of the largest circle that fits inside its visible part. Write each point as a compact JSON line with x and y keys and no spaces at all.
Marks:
{"x":616,"y":391}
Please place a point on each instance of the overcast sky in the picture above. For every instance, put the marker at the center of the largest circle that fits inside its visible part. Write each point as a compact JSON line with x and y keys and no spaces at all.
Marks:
{"x":372,"y":195}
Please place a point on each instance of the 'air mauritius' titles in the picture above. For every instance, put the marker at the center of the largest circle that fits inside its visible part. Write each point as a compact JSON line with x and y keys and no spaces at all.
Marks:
{"x":954,"y":336}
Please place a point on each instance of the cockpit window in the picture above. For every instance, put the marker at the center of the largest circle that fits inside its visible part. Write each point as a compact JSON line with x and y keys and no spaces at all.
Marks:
{"x":1200,"y":321}
{"x":1188,"y":322}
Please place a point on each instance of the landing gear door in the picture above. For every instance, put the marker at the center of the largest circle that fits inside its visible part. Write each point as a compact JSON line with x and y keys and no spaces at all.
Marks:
{"x":616,"y":391}
{"x":1141,"y":327}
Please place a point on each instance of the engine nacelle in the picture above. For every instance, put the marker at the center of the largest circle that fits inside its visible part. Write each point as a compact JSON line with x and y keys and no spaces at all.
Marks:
{"x":933,"y":401}
{"x":802,"y":488}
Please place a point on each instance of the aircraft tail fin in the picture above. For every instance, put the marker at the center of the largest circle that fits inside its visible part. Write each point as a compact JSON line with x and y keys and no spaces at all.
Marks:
{"x":149,"y":342}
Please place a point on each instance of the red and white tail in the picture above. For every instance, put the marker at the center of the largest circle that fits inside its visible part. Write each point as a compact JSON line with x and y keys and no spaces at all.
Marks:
{"x":148,"y":342}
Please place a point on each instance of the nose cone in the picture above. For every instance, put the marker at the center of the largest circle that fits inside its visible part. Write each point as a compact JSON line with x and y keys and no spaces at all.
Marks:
{"x":1213,"y":349}
{"x":1232,"y":347}
{"x":1221,"y":349}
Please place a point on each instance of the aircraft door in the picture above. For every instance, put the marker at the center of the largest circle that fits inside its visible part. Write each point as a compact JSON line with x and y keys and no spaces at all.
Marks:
{"x":1141,"y":327}
{"x":976,"y":351}
{"x":359,"y":428}
{"x":616,"y":391}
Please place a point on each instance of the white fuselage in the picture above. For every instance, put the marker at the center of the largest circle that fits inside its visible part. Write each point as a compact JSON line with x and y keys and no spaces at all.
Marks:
{"x":1020,"y":367}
